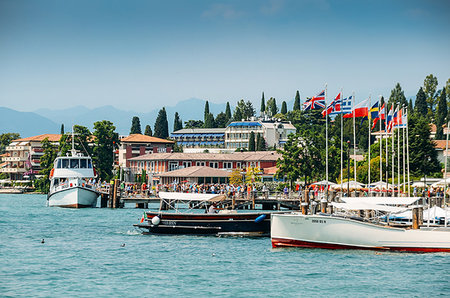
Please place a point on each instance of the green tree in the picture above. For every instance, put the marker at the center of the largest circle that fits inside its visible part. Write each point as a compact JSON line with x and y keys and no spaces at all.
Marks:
{"x":135,"y":126}
{"x":162,"y":125}
{"x":148,"y":130}
{"x":260,"y":143}
{"x":209,"y":121}
{"x":441,"y":115}
{"x":263,"y":104}
{"x":193,"y":124}
{"x":244,"y":110}
{"x":177,"y":123}
{"x":430,"y":86}
{"x":271,"y":107}
{"x":420,"y":106}
{"x":206,"y":112}
{"x":228,"y":112}
{"x":5,"y":140}
{"x":221,"y":120}
{"x":397,"y":96}
{"x":83,"y":138}
{"x":251,"y":142}
{"x":106,"y":141}
{"x":283,"y":108}
{"x":62,"y":128}
{"x":47,"y":159}
{"x":423,"y":156}
{"x":297,"y":106}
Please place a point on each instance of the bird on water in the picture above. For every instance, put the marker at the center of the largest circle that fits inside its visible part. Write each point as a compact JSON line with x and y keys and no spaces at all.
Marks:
{"x":122,"y":245}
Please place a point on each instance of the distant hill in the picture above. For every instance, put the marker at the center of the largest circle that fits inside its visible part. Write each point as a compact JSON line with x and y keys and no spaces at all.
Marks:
{"x":187,"y":109}
{"x":26,"y":123}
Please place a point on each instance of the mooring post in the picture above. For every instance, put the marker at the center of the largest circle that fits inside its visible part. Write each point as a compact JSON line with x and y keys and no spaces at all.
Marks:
{"x":323,"y":205}
{"x":115,"y":203}
{"x":415,"y":218}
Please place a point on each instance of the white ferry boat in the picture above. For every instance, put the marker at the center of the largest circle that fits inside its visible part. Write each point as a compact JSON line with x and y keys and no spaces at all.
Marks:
{"x":70,"y":182}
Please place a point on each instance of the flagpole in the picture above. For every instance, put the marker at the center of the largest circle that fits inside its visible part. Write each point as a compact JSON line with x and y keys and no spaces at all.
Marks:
{"x":407,"y":152}
{"x":445,"y":176}
{"x":398,"y":153}
{"x":387,"y":155}
{"x":403,"y":154}
{"x":342,"y":139}
{"x":381,"y":144}
{"x":354,"y":137}
{"x":393,"y":153}
{"x":326,"y":139}
{"x":369,"y":118}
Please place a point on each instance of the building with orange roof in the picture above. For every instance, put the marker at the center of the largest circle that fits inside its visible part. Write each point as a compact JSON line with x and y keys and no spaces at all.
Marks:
{"x":136,"y":145}
{"x":23,"y":156}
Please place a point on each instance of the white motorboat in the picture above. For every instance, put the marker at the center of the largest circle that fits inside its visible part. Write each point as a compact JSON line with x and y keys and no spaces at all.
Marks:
{"x":70,"y":181}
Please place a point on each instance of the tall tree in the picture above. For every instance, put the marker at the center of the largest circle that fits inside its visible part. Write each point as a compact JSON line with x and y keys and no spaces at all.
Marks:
{"x":297,"y":102}
{"x":420,"y":106}
{"x":148,"y":130}
{"x":271,"y":107}
{"x":430,"y":84}
{"x":193,"y":124}
{"x":244,"y":110}
{"x":251,"y":142}
{"x":106,"y":141}
{"x":228,"y":112}
{"x":283,"y":108}
{"x":177,"y":123}
{"x":237,"y":116}
{"x":135,"y":126}
{"x":441,"y":115}
{"x":397,"y":96}
{"x":161,"y":125}
{"x":43,"y":183}
{"x":221,"y":120}
{"x":263,"y":104}
{"x":260,"y":143}
{"x":209,"y":121}
{"x":206,"y":112}
{"x":62,"y":128}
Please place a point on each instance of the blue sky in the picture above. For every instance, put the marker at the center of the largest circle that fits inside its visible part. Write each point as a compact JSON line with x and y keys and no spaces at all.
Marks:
{"x":141,"y":55}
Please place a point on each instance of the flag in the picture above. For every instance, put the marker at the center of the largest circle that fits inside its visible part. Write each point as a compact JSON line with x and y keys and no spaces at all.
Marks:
{"x":401,"y":119}
{"x":317,"y":102}
{"x":383,"y":112}
{"x":389,"y":119}
{"x":344,"y":106}
{"x":332,"y":106}
{"x":142,"y":218}
{"x":375,"y":112}
{"x":360,"y":110}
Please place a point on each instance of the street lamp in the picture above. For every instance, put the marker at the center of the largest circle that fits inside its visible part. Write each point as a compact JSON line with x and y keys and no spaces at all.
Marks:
{"x":348,"y":169}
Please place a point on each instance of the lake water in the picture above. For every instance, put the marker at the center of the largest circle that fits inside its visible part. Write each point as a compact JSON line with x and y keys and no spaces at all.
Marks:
{"x":82,"y":256}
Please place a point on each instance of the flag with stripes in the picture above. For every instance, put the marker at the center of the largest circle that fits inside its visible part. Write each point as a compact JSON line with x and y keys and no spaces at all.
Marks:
{"x":316,"y":102}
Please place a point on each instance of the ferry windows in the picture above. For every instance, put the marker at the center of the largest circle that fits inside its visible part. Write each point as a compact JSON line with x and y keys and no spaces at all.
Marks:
{"x":74,"y":163}
{"x":83,"y":163}
{"x":89,"y":164}
{"x":65,"y":163}
{"x":58,"y":165}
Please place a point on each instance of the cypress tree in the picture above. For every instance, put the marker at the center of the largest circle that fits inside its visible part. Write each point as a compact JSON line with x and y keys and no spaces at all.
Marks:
{"x":209,"y":121}
{"x":206,"y":113}
{"x":441,"y":115}
{"x":397,"y":96}
{"x":148,"y":130}
{"x":283,"y":108}
{"x":421,"y":103}
{"x":228,"y":111}
{"x":135,"y":126}
{"x":251,"y":142}
{"x":177,"y":123}
{"x":161,"y":125}
{"x":260,"y":143}
{"x":263,"y":104}
{"x":410,"y":106}
{"x":237,"y":114}
{"x":273,"y":107}
{"x":297,"y":102}
{"x":62,"y":128}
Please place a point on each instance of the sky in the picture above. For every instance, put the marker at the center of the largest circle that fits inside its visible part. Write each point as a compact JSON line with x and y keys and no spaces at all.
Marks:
{"x":142,"y":55}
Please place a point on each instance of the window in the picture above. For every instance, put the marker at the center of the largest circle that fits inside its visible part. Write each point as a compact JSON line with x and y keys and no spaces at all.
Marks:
{"x":200,"y":164}
{"x":214,"y":165}
{"x":65,"y":163}
{"x":74,"y":163}
{"x":227,"y":165}
{"x":83,"y":163}
{"x":59,"y":164}
{"x":152,"y":166}
{"x":238,"y":165}
{"x":187,"y":164}
{"x":173,"y":165}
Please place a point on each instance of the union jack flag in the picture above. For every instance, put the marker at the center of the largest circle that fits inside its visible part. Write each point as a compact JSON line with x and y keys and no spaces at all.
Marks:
{"x":317,"y":102}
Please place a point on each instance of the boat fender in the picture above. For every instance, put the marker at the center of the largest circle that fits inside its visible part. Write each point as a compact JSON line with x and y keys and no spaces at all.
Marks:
{"x":260,"y":218}
{"x":52,"y":172}
{"x":83,"y":184}
{"x":156,"y":220}
{"x":70,"y":184}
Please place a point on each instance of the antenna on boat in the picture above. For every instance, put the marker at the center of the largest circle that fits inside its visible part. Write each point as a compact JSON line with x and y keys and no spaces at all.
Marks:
{"x":73,"y":151}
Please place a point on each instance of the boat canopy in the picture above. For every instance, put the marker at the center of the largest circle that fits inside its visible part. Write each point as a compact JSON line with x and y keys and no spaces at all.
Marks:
{"x":381,"y":200}
{"x":366,"y":206}
{"x":179,"y":196}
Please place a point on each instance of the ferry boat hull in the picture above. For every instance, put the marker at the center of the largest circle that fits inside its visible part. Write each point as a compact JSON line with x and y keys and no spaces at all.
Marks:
{"x":73,"y":197}
{"x":331,"y":232}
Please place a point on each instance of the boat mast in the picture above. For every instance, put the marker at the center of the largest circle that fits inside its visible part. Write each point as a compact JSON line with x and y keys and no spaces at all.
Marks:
{"x":73,"y":151}
{"x":368,"y":125}
{"x":326,"y":139}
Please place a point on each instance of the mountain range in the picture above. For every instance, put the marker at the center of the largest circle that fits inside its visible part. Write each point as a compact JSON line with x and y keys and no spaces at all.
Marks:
{"x":49,"y":121}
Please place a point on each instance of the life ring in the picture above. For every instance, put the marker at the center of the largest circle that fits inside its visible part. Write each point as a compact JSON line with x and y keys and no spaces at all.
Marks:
{"x":52,"y":172}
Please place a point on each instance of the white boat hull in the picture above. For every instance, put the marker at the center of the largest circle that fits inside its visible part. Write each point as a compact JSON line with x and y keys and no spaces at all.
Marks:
{"x":319,"y":231}
{"x":73,"y":197}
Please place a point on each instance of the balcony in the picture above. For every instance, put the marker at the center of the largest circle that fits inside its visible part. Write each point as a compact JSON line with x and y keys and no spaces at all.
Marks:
{"x":12,"y":170}
{"x":19,"y":148}
{"x":15,"y":158}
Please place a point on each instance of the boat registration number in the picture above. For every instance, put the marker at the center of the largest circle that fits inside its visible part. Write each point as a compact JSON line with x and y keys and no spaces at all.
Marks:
{"x":171,"y":223}
{"x":319,"y":221}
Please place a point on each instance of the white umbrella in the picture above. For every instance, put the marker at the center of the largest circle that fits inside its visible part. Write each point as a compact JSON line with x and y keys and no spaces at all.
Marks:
{"x":323,"y":182}
{"x":441,"y":183}
{"x":419,"y":184}
{"x":349,"y":184}
{"x":381,"y":185}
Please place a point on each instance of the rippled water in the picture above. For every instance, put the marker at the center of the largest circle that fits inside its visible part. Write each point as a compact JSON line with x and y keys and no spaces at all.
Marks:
{"x":82,"y":256}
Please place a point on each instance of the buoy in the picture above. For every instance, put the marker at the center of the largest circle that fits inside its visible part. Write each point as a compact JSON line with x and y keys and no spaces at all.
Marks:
{"x":42,"y":241}
{"x":123,"y":245}
{"x":260,"y":218}
{"x":156,"y":220}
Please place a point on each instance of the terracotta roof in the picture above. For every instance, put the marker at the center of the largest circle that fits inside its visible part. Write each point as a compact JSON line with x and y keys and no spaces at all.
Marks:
{"x":196,"y":172}
{"x":441,"y":144}
{"x":235,"y":156}
{"x":40,"y":138}
{"x":271,"y":170}
{"x":138,"y":138}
